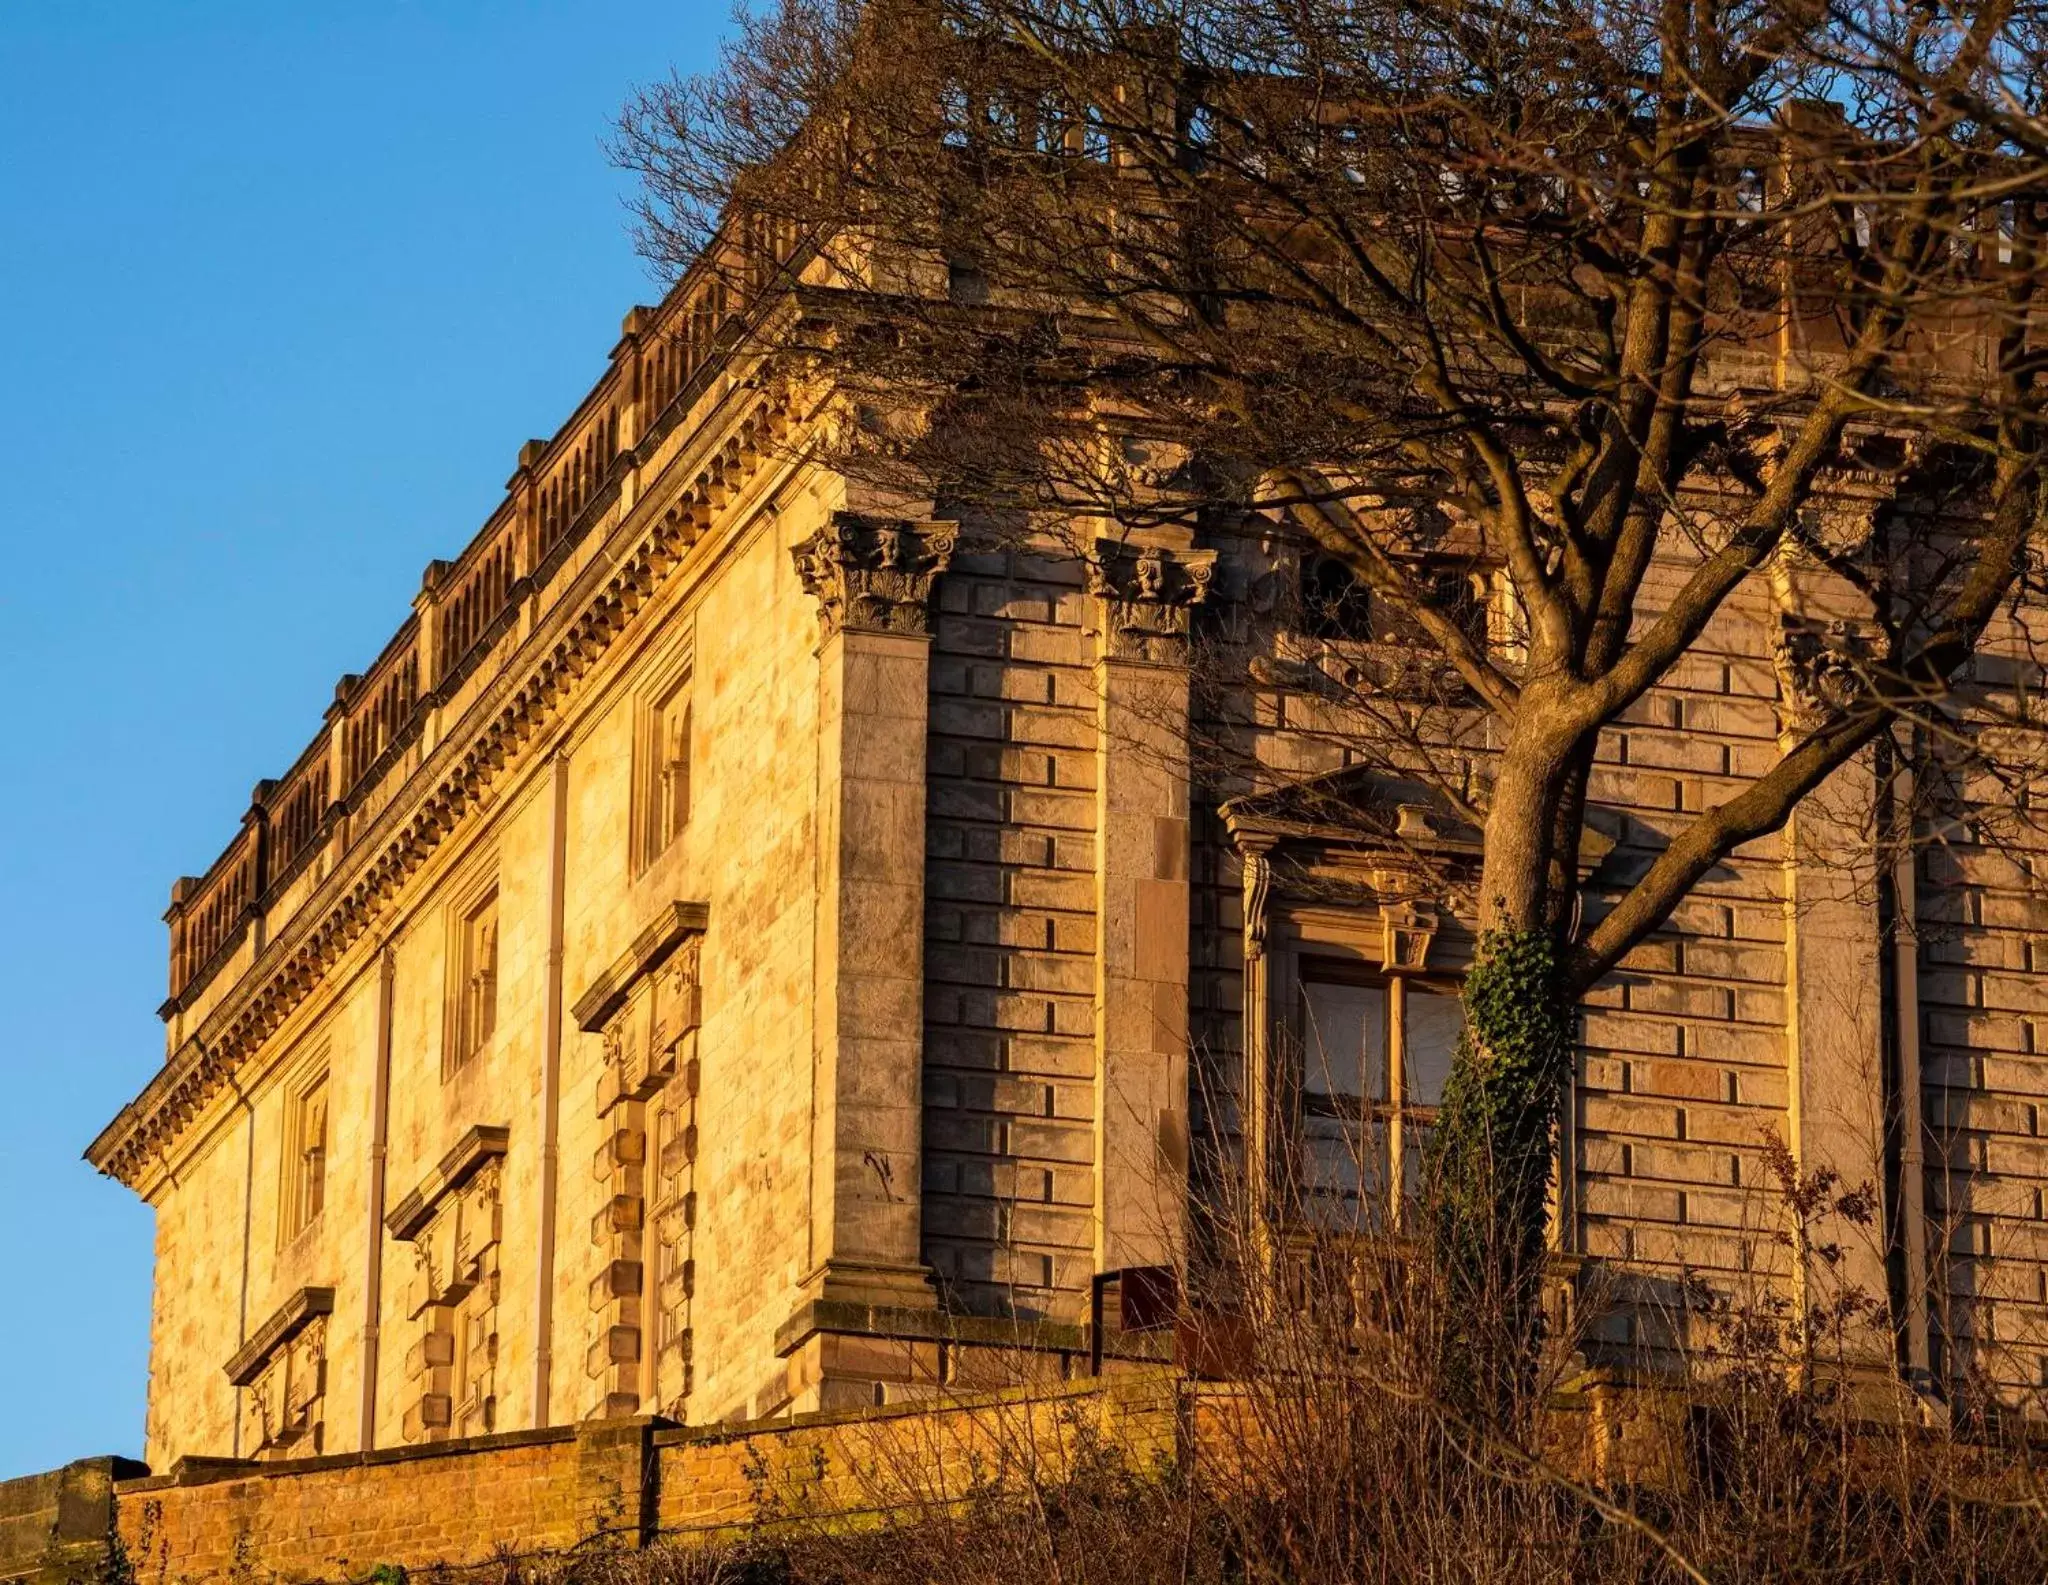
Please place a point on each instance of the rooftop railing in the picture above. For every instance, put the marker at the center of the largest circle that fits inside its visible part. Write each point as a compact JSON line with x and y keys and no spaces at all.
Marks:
{"x":562,"y":488}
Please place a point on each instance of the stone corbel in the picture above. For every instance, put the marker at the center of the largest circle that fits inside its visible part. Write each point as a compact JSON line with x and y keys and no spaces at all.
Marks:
{"x":1255,"y":854}
{"x":1408,"y":923}
{"x":1144,"y":599}
{"x":872,"y":574}
{"x":1406,"y":931}
{"x":1256,"y":857}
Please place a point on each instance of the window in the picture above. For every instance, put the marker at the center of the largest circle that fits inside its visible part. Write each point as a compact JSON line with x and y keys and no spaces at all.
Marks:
{"x":473,"y":1017}
{"x":661,"y":794}
{"x":1376,"y":1052}
{"x":305,"y":1154}
{"x":672,"y":796}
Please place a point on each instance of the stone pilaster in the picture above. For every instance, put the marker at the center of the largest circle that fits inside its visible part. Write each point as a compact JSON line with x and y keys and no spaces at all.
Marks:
{"x":873,"y":580}
{"x":1833,"y":992}
{"x":1143,"y":605}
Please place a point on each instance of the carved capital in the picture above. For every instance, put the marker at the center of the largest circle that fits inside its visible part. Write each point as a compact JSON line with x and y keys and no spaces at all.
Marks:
{"x":874,"y":575}
{"x":1823,"y":670}
{"x":1258,"y":893}
{"x":1145,"y":598}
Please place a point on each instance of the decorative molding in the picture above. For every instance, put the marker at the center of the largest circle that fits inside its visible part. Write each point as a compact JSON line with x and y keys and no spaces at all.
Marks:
{"x":455,"y":778}
{"x":292,"y":1317}
{"x":650,"y":947}
{"x":646,"y":1008}
{"x":482,"y":1143}
{"x":874,"y":575}
{"x":1145,"y":597}
{"x":455,"y":1222}
{"x":1258,"y":891}
{"x":1823,"y":669}
{"x":282,"y":1372}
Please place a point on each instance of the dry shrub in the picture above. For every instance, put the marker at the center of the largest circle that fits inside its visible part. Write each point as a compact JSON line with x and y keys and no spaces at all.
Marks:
{"x":1759,"y":1436}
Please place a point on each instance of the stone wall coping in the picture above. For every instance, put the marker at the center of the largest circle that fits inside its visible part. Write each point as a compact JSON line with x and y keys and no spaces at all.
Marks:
{"x":194,"y":1471}
{"x":1139,"y":1382}
{"x":285,"y":1324}
{"x":908,"y":1323}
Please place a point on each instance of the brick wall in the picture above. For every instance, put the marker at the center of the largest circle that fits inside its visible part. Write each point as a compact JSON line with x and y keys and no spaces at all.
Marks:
{"x":616,"y":1482}
{"x":339,"y":1517}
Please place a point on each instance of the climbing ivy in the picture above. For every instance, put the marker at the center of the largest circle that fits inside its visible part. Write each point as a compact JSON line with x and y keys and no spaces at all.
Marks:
{"x":1488,"y":1167}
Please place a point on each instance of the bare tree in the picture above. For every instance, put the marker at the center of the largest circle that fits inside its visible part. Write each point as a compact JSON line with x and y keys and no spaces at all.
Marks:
{"x":1548,"y":289}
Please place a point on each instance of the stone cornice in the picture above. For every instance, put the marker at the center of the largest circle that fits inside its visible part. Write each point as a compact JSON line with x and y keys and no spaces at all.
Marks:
{"x":464,"y":767}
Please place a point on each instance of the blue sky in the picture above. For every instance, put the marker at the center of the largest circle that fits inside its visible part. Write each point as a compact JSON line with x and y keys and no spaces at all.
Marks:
{"x":283,"y":287}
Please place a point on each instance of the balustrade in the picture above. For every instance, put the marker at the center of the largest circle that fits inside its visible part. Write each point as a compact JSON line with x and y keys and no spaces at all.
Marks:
{"x":379,"y":707}
{"x":472,"y":598}
{"x":467,"y":600}
{"x":297,"y":812}
{"x":208,"y":912}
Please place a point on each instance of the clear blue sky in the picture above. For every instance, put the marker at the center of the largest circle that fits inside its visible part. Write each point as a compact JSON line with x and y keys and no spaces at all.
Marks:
{"x":283,"y":287}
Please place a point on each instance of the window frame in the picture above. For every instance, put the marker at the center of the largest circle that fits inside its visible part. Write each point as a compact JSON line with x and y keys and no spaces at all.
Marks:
{"x":659,"y":816}
{"x":1309,"y":958}
{"x":303,"y":1199}
{"x":466,"y":1034}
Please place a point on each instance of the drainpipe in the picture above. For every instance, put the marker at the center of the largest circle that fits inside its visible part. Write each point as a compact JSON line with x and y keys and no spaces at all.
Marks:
{"x":550,"y":1096}
{"x":373,"y":1268}
{"x":1912,"y":1125}
{"x":248,"y":1227}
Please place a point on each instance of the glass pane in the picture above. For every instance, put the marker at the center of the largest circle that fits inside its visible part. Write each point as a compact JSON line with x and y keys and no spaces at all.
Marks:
{"x":1344,"y":1040}
{"x":1343,"y":1172}
{"x":1433,"y":1021}
{"x":1414,"y":1158}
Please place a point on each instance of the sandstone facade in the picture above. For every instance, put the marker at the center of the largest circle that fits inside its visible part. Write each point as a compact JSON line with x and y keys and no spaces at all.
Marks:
{"x":746,"y":948}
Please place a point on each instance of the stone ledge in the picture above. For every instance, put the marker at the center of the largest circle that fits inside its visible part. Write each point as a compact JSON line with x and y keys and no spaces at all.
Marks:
{"x":1142,"y":1383}
{"x":907,"y":1324}
{"x":280,"y":1329}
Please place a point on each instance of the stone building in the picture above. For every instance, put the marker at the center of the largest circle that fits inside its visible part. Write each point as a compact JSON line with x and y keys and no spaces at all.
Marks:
{"x":745,"y":947}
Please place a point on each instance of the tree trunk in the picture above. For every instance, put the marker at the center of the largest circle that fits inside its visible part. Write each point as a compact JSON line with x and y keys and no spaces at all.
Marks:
{"x":1488,"y":1172}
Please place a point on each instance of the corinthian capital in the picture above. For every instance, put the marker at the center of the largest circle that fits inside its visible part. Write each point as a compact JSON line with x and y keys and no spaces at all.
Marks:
{"x":1145,"y":598}
{"x":874,"y":575}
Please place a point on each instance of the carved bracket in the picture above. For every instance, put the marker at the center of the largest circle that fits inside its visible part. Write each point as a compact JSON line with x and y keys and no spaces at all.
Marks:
{"x":874,"y":575}
{"x":1145,"y":598}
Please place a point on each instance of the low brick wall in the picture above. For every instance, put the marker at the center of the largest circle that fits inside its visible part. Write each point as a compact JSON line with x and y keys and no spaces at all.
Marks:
{"x":339,"y":1517}
{"x":619,"y":1483}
